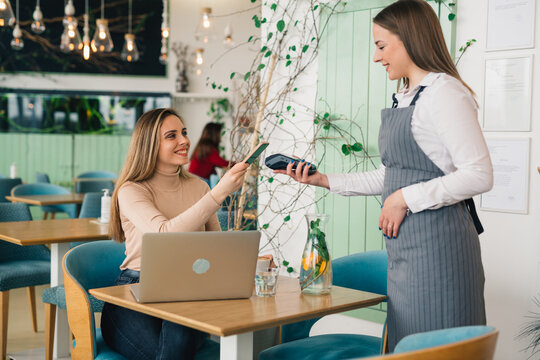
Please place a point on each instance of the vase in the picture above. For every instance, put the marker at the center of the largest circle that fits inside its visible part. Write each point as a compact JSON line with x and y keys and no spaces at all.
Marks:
{"x":316,"y":265}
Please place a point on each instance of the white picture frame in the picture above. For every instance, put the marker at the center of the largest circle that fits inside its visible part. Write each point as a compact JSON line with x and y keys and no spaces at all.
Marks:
{"x":510,"y":192}
{"x":517,"y":15}
{"x":508,"y":93}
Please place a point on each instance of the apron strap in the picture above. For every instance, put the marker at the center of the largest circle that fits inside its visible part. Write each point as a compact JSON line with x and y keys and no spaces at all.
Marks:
{"x":472,"y":210}
{"x":413,"y":102}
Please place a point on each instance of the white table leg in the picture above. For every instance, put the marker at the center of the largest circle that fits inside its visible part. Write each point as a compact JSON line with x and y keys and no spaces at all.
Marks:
{"x":236,"y":347}
{"x":61,"y":331}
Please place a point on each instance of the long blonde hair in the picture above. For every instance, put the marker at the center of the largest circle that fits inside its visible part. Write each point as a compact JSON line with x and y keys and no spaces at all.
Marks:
{"x":141,"y":160}
{"x":418,"y":27}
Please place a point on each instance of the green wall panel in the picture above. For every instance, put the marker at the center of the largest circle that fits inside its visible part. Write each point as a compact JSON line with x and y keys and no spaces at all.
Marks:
{"x":100,"y":152}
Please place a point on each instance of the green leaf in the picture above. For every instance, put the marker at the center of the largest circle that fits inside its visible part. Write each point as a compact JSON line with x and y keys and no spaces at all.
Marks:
{"x":293,"y":48}
{"x":247,"y":75}
{"x":357,"y":147}
{"x":263,"y":49}
{"x":287,"y":56}
{"x":263,"y":20}
{"x":269,"y":36}
{"x":268,"y":53}
{"x":265,"y":226}
{"x":315,"y":7}
{"x":294,"y":89}
{"x":280,"y":25}
{"x":253,"y":1}
{"x":326,"y":126}
{"x":271,"y":180}
{"x":257,"y":23}
{"x":326,"y":115}
{"x":288,"y":63}
{"x":213,"y":85}
{"x":260,"y":67}
{"x":287,"y":218}
{"x":316,"y":121}
{"x":304,"y":49}
{"x":232,"y":75}
{"x":289,"y":108}
{"x":345,"y":149}
{"x":250,"y":38}
{"x":223,"y":132}
{"x":226,"y":89}
{"x":281,"y":122}
{"x":273,"y":7}
{"x":293,"y":114}
{"x":285,"y":263}
{"x":451,"y":16}
{"x":290,"y":270}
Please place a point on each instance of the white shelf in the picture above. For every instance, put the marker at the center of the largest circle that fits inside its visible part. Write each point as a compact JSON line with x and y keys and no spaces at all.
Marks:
{"x":187,"y":96}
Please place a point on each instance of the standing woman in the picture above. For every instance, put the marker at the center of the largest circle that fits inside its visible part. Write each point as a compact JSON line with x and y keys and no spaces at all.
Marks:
{"x":434,"y":159}
{"x":206,"y":157}
{"x":155,"y":194}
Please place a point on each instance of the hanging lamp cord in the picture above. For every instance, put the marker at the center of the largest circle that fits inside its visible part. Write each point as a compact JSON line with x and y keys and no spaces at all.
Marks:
{"x":129,"y":17}
{"x":102,"y":9}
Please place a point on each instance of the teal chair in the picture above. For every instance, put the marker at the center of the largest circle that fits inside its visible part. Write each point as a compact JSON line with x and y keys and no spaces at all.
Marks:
{"x":95,"y":185}
{"x":47,"y":189}
{"x":20,"y":266}
{"x":5,"y":188}
{"x":363,"y":271}
{"x":42,"y":178}
{"x":94,"y":265}
{"x":55,"y":296}
{"x":467,"y":342}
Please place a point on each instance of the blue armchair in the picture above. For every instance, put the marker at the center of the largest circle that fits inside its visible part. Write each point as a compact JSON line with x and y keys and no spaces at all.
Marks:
{"x":20,"y":266}
{"x":5,"y":187}
{"x":95,"y":185}
{"x":467,"y":342}
{"x":363,"y":271}
{"x":47,"y":189}
{"x":94,"y":265}
{"x":55,"y":296}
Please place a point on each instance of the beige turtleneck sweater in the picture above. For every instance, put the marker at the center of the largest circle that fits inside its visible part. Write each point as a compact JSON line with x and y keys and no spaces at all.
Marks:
{"x":163,"y":203}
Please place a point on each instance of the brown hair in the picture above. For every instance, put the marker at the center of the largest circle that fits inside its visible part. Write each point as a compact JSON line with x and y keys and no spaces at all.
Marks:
{"x":141,"y":160}
{"x":418,"y":27}
{"x":210,"y":139}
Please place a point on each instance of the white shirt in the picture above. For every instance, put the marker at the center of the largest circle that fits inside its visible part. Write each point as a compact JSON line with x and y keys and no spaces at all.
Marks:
{"x":445,"y":126}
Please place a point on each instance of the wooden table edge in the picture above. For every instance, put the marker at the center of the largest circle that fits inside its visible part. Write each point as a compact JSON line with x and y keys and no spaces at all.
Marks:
{"x":231,"y":331}
{"x":53,"y":240}
{"x":30,"y":201}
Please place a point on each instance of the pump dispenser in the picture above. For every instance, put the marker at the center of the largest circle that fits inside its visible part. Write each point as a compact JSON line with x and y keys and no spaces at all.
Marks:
{"x":105,"y":207}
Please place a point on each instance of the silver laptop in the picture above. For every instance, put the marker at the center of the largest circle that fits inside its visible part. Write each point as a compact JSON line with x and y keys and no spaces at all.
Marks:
{"x":197,"y":266}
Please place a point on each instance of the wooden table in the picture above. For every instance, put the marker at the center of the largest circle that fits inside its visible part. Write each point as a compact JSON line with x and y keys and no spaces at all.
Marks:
{"x":235,"y":320}
{"x":44,"y":200}
{"x":58,"y":233}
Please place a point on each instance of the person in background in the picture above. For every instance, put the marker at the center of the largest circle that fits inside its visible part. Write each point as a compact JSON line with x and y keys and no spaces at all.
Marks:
{"x":205,"y":156}
{"x":434,"y":159}
{"x":154,"y":193}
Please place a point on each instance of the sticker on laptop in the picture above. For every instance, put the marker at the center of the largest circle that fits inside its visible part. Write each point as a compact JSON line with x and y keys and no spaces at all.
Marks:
{"x":200,"y":266}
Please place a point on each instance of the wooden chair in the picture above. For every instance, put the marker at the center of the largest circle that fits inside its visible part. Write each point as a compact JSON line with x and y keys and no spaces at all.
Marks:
{"x":468,"y":342}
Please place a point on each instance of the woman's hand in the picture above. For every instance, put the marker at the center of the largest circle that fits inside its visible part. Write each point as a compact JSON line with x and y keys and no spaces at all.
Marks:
{"x":301,"y":175}
{"x":393,"y":212}
{"x":230,"y":182}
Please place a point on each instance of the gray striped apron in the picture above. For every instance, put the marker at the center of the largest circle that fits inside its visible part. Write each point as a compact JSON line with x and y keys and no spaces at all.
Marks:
{"x":435,"y":273}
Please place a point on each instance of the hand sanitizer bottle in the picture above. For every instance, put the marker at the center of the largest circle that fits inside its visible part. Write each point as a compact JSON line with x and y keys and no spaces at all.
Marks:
{"x":105,"y":207}
{"x":13,"y":170}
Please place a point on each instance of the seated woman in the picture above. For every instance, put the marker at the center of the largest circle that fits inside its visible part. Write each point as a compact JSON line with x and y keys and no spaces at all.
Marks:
{"x":206,"y":157}
{"x":155,"y":194}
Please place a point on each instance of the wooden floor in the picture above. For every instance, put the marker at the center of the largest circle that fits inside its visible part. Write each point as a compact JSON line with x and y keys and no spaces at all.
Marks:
{"x":20,"y":333}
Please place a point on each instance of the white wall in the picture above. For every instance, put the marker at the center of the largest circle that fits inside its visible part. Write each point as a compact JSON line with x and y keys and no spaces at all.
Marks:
{"x":183,"y":19}
{"x":511,"y":242}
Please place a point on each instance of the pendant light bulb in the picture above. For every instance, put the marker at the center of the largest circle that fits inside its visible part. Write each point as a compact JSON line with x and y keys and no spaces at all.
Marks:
{"x":228,"y":40}
{"x":17,"y":42}
{"x":7,"y":18}
{"x":205,"y":31}
{"x":102,"y":41}
{"x":130,"y":52}
{"x":86,"y":38}
{"x":71,"y":38}
{"x":37,"y":26}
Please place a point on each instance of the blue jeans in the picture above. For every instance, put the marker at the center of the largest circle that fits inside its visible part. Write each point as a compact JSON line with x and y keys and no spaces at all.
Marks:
{"x":139,"y":336}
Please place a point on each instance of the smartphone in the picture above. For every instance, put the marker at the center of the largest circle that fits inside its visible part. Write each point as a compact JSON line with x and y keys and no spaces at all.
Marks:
{"x":280,"y":162}
{"x":250,"y":159}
